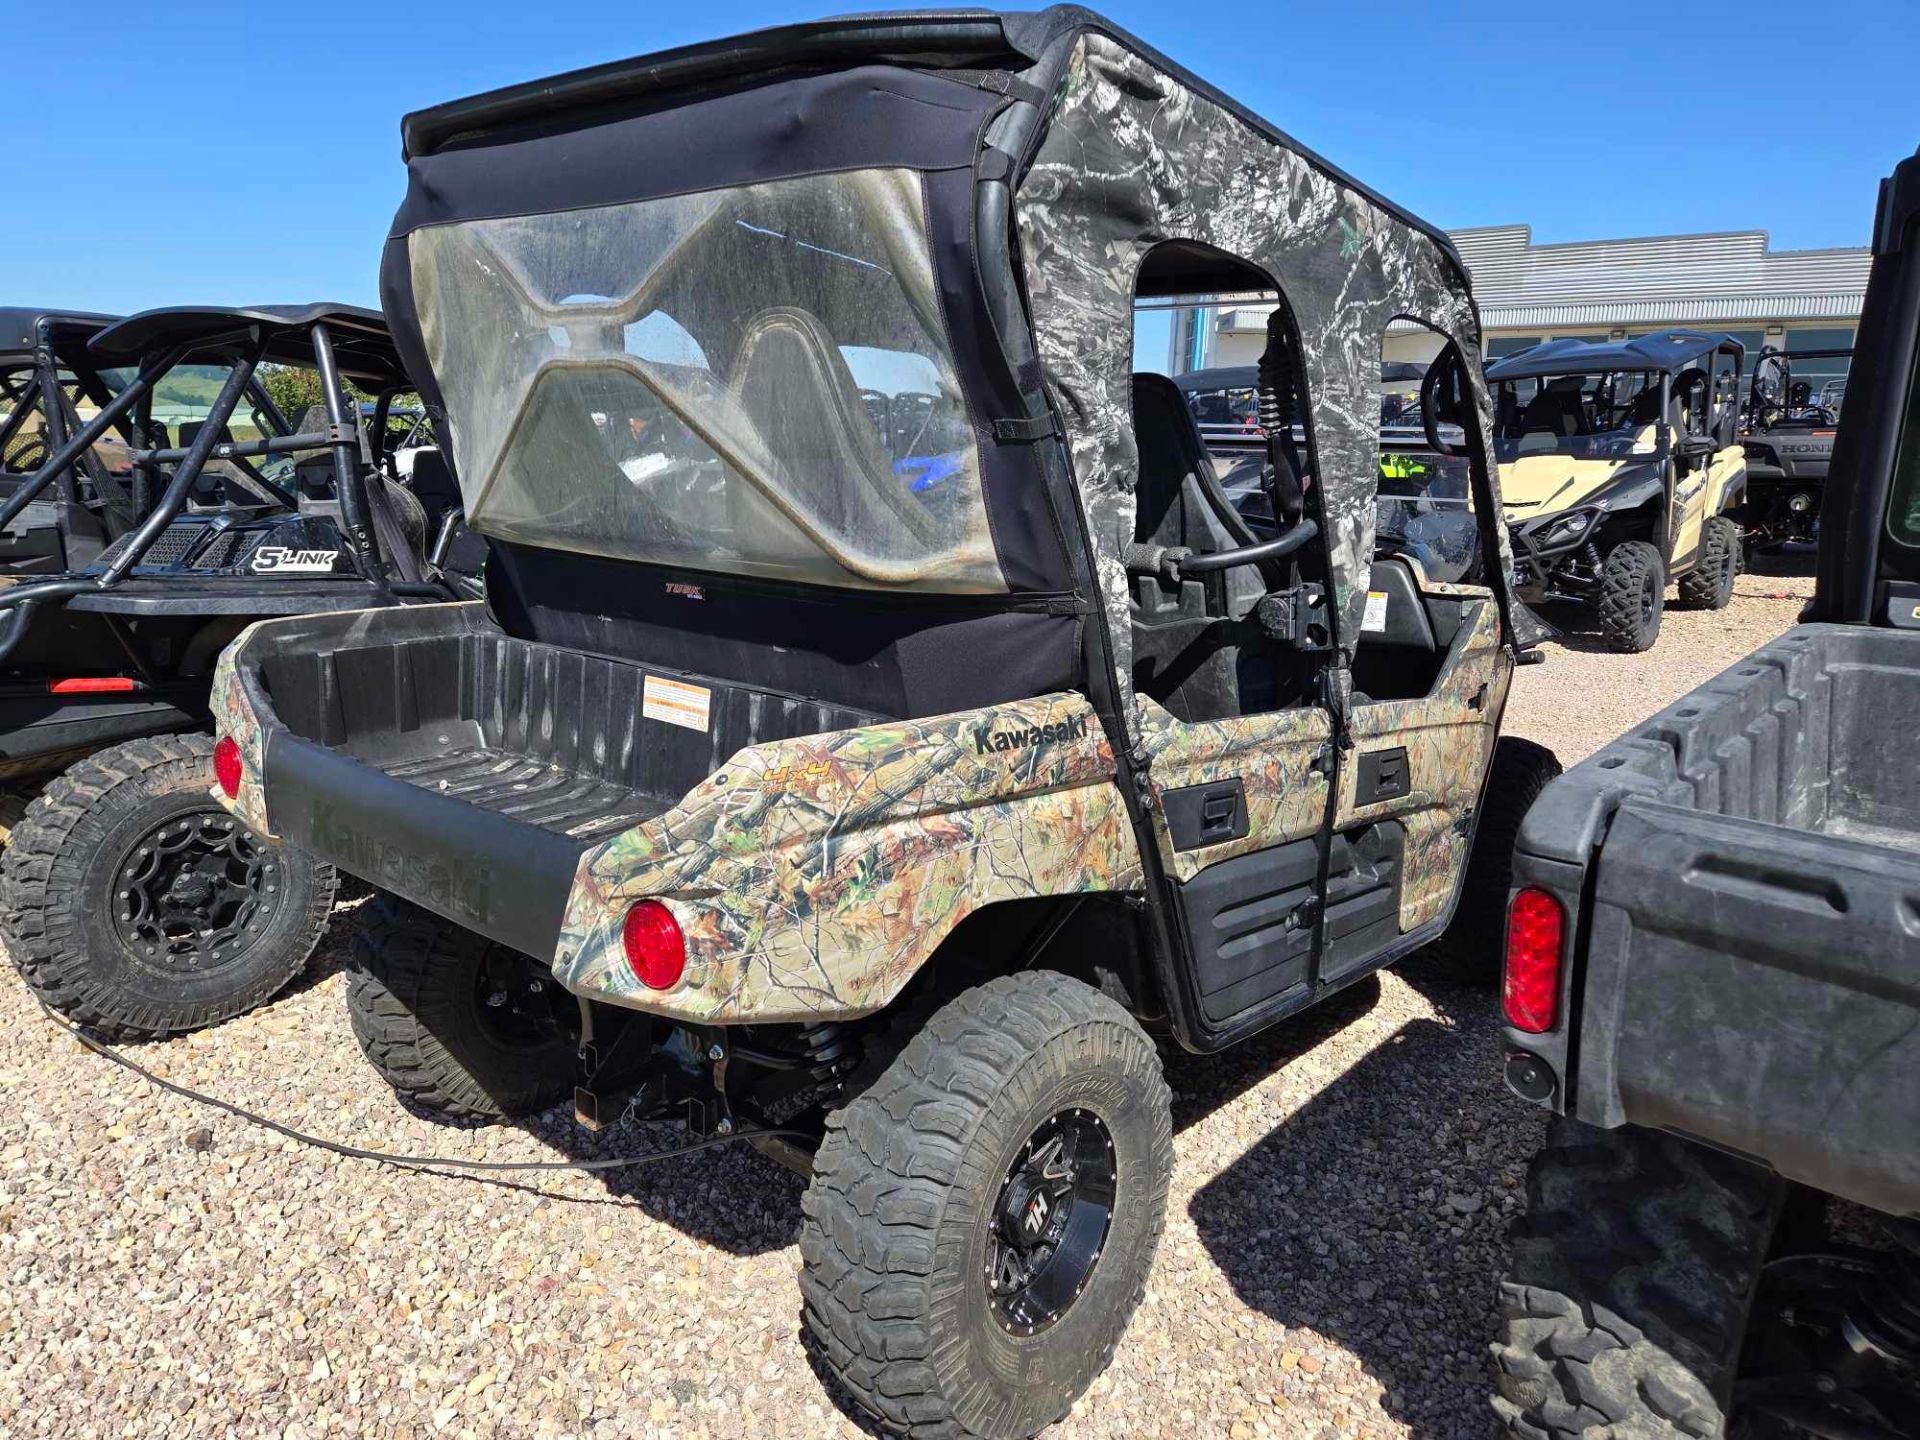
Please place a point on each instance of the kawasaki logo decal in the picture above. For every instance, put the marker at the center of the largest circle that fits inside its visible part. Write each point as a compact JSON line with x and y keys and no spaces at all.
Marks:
{"x":988,"y":742}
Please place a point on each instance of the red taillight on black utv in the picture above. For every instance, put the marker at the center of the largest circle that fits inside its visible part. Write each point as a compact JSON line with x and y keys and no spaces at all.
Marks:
{"x":1530,"y":990}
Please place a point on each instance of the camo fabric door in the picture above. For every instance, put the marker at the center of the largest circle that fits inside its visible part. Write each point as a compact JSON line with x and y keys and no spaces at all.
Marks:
{"x":1435,"y":749}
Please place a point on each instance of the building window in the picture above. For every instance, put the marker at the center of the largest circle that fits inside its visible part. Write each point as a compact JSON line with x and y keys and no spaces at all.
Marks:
{"x":1505,"y":345}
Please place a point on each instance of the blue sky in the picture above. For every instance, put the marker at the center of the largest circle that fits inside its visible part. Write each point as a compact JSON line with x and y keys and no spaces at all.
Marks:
{"x":167,"y":154}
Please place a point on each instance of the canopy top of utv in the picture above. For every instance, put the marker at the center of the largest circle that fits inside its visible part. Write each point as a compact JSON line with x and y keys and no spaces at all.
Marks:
{"x":21,"y":326}
{"x":363,"y":349}
{"x":835,"y":306}
{"x":1670,"y":351}
{"x":966,"y":40}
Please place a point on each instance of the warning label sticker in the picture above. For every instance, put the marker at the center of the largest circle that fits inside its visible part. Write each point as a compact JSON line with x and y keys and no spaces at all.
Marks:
{"x":676,"y":702}
{"x":1375,"y":619}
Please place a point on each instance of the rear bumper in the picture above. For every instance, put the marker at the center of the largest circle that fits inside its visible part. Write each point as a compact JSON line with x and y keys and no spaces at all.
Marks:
{"x":1758,"y":987}
{"x":813,"y":857}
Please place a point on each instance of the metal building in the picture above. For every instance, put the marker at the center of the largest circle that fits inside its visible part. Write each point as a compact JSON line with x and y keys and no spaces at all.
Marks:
{"x":1793,"y":299}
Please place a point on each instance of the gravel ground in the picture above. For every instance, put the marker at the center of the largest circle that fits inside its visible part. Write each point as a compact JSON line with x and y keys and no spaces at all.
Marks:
{"x":1336,"y":1221}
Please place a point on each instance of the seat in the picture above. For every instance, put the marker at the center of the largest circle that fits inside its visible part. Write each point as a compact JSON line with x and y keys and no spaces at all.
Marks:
{"x":1550,"y":413}
{"x":1170,"y":506}
{"x":1187,"y":639}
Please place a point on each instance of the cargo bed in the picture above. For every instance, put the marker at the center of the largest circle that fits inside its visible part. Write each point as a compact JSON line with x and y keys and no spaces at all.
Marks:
{"x":1745,"y":869}
{"x":428,"y":752}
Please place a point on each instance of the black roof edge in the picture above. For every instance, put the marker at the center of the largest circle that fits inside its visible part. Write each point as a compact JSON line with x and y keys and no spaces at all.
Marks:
{"x":951,"y":37}
{"x":18,"y":324}
{"x":1572,"y":356}
{"x":934,"y":37}
{"x":363,"y":346}
{"x":1899,"y":200}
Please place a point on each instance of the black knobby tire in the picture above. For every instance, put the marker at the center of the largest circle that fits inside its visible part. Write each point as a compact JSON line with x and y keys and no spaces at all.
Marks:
{"x":1475,"y":939}
{"x":1709,"y":585}
{"x":897,"y":1228}
{"x":1633,"y":596}
{"x":131,"y":973}
{"x":1632,"y":1275}
{"x":418,"y":999}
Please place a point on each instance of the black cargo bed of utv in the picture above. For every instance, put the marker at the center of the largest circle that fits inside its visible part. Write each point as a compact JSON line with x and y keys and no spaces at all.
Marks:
{"x":432,"y":754}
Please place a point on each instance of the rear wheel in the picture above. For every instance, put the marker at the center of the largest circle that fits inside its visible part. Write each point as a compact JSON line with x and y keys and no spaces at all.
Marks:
{"x":1633,"y":595}
{"x":457,"y":1024}
{"x":136,"y":906}
{"x":1475,"y":940}
{"x":1709,"y":585}
{"x":1632,"y":1277}
{"x":982,"y":1218}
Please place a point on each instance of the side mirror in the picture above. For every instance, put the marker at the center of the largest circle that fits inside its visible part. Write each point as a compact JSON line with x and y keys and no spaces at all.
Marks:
{"x":1696,"y":447}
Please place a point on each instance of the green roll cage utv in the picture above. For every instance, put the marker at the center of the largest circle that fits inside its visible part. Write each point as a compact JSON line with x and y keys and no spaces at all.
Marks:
{"x":880,"y":777}
{"x":1619,"y":461}
{"x":142,"y":542}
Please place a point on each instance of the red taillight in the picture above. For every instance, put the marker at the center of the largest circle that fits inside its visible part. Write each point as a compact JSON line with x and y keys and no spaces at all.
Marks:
{"x":227,"y":767}
{"x":94,"y":685}
{"x":1530,"y":992}
{"x":656,"y":950}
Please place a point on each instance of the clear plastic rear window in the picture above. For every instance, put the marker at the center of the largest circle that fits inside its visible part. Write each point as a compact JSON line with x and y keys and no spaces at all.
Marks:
{"x":753,"y":380}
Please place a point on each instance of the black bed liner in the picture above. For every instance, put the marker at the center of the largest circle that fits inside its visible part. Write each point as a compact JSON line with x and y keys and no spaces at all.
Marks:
{"x":1746,"y":869}
{"x":427,"y":751}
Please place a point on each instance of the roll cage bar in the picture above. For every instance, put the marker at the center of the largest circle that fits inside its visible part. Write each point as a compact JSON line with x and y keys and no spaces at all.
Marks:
{"x":243,"y":339}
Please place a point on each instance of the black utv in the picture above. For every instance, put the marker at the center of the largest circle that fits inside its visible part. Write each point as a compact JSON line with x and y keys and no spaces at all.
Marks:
{"x":145,"y":541}
{"x":1787,"y":433}
{"x":1713,"y":980}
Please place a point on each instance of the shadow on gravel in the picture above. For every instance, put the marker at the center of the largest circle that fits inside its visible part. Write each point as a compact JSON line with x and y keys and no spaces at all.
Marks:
{"x":1201,"y":1084}
{"x":1375,"y":1215}
{"x":730,"y":1197}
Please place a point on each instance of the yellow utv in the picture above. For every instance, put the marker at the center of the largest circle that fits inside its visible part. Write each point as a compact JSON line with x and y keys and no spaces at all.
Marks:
{"x":1618,"y":463}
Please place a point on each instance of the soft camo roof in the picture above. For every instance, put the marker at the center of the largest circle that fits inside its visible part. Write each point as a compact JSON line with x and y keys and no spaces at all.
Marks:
{"x":1096,"y":147}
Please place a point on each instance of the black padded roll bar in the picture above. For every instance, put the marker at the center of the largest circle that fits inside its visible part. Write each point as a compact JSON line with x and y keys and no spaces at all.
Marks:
{"x":346,"y":440}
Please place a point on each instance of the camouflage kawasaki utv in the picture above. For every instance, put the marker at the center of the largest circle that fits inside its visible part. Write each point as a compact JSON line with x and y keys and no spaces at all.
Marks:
{"x":880,"y":720}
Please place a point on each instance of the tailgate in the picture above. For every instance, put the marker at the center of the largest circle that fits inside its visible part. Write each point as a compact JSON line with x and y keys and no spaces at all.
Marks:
{"x":1758,"y":988}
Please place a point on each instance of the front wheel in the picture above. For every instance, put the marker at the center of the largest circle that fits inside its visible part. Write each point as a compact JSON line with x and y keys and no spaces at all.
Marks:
{"x":1709,"y":585}
{"x":137,"y":907}
{"x":1633,"y":596}
{"x":981,"y":1220}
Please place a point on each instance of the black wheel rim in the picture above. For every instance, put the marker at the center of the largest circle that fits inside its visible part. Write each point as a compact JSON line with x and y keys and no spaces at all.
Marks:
{"x":514,"y":1001}
{"x":1050,"y":1221}
{"x":196,"y":892}
{"x":1649,"y":599}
